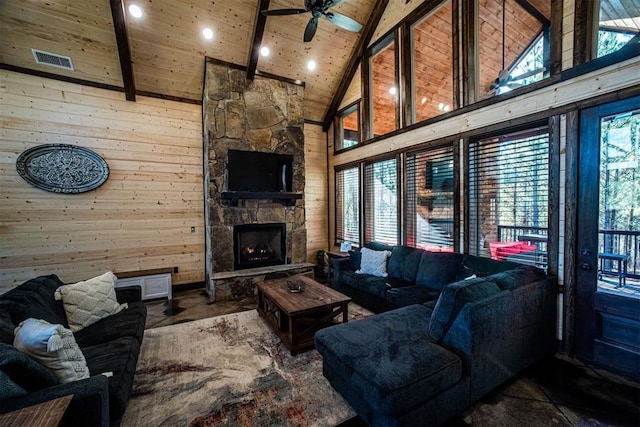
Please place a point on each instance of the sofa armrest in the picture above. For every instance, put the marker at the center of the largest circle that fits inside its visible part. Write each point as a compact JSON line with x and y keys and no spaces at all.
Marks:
{"x":129,"y":293}
{"x":504,"y":333}
{"x":89,"y":406}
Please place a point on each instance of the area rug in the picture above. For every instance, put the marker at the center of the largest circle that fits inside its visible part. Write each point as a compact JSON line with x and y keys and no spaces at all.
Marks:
{"x":230,"y":370}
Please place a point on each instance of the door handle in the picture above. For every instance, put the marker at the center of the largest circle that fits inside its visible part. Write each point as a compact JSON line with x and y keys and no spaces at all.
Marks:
{"x":585,"y":266}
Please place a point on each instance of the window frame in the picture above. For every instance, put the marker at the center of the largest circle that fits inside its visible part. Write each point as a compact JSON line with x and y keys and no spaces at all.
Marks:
{"x":339,"y":127}
{"x":339,"y":239}
{"x":366,"y":226}
{"x":471,"y":205}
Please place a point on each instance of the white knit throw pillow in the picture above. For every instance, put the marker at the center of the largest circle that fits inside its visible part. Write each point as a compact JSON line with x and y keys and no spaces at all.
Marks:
{"x":54,"y":347}
{"x":373,"y":262}
{"x":88,"y":301}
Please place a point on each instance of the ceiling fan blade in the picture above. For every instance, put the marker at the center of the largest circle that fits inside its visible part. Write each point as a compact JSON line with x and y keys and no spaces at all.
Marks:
{"x":528,"y":74}
{"x":283,"y":12}
{"x":310,"y":31}
{"x":344,"y":21}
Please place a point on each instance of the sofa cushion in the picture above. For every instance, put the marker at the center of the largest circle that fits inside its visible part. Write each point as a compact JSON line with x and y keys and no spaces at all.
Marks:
{"x":372,"y":285}
{"x":8,"y":388}
{"x":24,"y":371}
{"x":401,"y":367}
{"x":34,"y":298}
{"x":373,"y":262}
{"x":401,"y":297}
{"x":127,"y":323}
{"x":403,"y":263}
{"x":118,"y":358}
{"x":53,"y":346}
{"x":453,"y":298}
{"x":483,"y":267}
{"x":511,"y":279}
{"x":438,"y":269}
{"x":88,"y":301}
{"x":377,"y":246}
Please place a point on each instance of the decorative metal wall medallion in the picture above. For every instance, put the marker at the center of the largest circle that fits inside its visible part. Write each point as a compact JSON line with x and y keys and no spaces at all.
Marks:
{"x":62,"y":168}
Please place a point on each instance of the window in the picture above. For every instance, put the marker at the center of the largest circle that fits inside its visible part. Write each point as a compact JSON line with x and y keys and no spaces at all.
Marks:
{"x":381,"y":202}
{"x":384,"y":87}
{"x":348,"y":128}
{"x":429,"y":202}
{"x":508,"y":196}
{"x":432,"y":39}
{"x":348,"y":206}
{"x":511,"y":44}
{"x":618,"y":24}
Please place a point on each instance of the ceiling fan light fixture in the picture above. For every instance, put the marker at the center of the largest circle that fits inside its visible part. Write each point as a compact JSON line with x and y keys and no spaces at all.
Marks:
{"x":311,"y":65}
{"x":135,"y":11}
{"x":207,"y":33}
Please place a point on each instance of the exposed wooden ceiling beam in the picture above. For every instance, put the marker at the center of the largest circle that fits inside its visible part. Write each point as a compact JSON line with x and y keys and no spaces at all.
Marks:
{"x":258,"y":31}
{"x":122,"y":39}
{"x":354,"y":61}
{"x":534,"y":12}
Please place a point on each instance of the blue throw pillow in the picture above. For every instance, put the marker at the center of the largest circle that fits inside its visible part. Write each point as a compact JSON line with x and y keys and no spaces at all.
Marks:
{"x":453,"y":298}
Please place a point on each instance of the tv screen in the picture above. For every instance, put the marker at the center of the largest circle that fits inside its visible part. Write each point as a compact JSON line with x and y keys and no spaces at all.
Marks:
{"x":257,"y":171}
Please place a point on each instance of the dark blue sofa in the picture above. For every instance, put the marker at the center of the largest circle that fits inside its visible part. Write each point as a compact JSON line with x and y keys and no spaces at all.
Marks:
{"x":426,"y":362}
{"x":109,"y":345}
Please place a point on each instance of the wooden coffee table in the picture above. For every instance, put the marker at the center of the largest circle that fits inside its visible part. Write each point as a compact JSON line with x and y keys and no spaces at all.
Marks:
{"x":295,"y":317}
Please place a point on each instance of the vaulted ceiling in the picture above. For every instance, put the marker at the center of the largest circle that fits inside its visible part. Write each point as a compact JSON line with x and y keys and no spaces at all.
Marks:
{"x":167,"y":47}
{"x":168,"y":51}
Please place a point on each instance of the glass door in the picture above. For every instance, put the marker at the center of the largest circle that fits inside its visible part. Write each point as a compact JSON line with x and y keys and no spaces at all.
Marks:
{"x":608,"y":274}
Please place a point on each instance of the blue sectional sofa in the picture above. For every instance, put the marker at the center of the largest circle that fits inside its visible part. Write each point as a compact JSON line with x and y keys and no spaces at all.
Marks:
{"x":427,"y":361}
{"x":111,"y":345}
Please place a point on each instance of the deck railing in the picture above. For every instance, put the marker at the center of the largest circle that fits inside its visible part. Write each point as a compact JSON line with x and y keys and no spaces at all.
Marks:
{"x":622,"y":242}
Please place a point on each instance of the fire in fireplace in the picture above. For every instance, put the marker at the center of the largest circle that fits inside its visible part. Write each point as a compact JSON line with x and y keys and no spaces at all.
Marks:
{"x":259,"y":245}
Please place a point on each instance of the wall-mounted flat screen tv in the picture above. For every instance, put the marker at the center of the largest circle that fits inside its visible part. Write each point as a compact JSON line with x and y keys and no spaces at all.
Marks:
{"x":259,"y":172}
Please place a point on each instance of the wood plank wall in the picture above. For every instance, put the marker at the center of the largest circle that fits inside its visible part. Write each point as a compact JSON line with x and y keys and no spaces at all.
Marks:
{"x":139,"y":219}
{"x":315,"y":189}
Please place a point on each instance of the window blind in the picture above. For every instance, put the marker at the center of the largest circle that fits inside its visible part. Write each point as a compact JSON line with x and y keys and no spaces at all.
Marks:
{"x":429,"y":200}
{"x":508,"y":196}
{"x":348,"y":206}
{"x":381,"y":201}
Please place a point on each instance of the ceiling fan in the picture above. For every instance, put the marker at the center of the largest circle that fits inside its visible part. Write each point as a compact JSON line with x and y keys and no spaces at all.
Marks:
{"x":319,"y":8}
{"x":506,"y":82}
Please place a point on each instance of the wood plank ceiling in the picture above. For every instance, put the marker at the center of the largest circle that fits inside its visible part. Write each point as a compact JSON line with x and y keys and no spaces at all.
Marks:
{"x":168,"y":50}
{"x":167,"y":47}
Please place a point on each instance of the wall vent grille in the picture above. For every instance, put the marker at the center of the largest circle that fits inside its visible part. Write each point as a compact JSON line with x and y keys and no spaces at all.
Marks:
{"x":52,"y":59}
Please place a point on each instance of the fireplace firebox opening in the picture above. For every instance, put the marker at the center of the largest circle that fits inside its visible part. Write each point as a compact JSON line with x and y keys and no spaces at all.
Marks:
{"x":259,"y":245}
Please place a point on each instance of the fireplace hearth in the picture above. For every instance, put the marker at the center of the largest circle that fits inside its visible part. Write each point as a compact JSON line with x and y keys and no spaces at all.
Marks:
{"x":259,"y":245}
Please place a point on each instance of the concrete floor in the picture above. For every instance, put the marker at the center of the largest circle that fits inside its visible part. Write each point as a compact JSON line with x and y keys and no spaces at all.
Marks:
{"x":555,"y":392}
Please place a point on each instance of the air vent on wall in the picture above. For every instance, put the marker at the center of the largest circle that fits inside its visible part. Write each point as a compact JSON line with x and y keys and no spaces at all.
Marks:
{"x":52,"y":59}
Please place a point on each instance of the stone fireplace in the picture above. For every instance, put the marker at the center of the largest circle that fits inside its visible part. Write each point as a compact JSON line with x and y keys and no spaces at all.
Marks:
{"x":259,"y":245}
{"x":264,"y":116}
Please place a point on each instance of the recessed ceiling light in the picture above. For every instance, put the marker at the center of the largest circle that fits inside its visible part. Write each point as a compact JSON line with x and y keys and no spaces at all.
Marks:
{"x":264,"y":51}
{"x":135,"y":11}
{"x":393,"y":90}
{"x":207,"y":33}
{"x":311,"y":65}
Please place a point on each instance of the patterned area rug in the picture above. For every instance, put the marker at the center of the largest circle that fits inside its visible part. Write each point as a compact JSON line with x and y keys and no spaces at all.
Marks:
{"x":230,"y":370}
